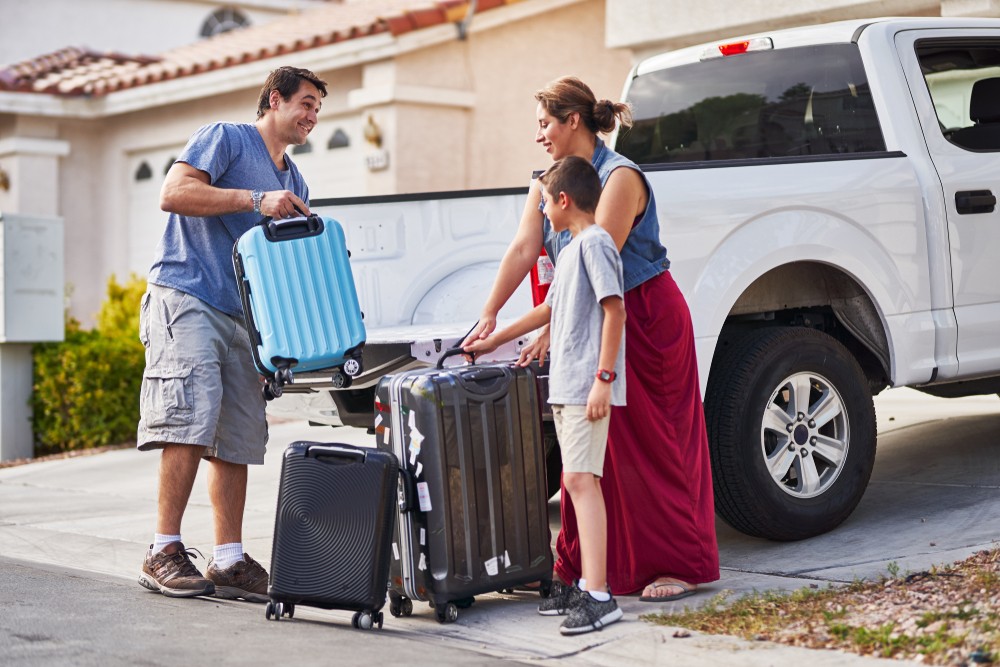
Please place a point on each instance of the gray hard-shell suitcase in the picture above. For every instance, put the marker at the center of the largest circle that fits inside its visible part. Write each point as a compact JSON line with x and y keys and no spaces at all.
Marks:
{"x":477,"y":522}
{"x":333,"y":531}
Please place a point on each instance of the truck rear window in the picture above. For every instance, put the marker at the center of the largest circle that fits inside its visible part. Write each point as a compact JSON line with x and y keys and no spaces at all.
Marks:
{"x":812,"y":100}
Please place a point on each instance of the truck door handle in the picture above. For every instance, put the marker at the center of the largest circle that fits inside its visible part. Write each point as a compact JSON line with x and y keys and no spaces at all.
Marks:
{"x":975,"y":201}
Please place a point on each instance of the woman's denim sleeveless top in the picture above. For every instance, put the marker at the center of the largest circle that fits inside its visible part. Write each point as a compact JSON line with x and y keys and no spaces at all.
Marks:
{"x":643,"y":256}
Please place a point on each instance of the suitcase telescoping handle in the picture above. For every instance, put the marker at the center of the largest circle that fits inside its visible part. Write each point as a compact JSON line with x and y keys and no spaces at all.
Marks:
{"x":456,"y":349}
{"x":452,"y":352}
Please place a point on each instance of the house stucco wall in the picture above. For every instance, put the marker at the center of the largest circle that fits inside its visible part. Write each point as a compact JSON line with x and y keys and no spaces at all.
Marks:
{"x":479,"y":103}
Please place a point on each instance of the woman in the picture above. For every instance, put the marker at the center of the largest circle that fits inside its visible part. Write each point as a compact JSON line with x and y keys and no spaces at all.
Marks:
{"x":657,"y":478}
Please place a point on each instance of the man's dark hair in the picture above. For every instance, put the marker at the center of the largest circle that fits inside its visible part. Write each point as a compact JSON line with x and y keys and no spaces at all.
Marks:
{"x":577,"y":178}
{"x":286,"y":80}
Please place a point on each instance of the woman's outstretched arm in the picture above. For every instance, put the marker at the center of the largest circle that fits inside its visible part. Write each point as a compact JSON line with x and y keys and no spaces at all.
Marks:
{"x":521,"y":255}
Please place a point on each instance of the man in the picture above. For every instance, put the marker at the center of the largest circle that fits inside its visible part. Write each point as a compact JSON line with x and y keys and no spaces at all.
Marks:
{"x":201,"y":394}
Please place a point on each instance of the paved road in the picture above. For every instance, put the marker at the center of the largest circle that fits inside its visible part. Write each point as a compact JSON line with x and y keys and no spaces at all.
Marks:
{"x":56,"y":616}
{"x":933,"y":499}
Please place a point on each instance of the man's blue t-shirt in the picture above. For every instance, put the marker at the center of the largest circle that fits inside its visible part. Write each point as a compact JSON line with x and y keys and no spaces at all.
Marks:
{"x":195,"y":254}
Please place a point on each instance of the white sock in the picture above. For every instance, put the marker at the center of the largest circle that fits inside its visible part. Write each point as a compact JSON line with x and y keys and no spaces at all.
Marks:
{"x":600,"y":596}
{"x":160,"y":541}
{"x":225,"y":555}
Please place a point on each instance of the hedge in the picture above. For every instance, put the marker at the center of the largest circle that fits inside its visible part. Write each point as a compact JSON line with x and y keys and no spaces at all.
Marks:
{"x":86,"y":388}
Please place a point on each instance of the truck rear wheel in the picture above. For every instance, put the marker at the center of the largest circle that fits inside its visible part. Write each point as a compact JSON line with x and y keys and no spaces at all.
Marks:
{"x":791,"y":427}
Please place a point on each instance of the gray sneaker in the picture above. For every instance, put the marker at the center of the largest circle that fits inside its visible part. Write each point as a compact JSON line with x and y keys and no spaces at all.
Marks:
{"x":560,"y":599}
{"x":172,"y":573}
{"x":246,"y":579}
{"x":587,"y":614}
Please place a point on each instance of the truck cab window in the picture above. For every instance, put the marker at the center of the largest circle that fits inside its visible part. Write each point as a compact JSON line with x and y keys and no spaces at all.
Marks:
{"x":963,"y":78}
{"x":784,"y":103}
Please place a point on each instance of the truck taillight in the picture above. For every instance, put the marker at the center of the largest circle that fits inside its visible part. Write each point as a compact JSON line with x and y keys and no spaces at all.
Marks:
{"x":541,"y":277}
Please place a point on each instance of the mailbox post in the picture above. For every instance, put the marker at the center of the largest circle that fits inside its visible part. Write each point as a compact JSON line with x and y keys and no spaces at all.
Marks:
{"x":32,"y":304}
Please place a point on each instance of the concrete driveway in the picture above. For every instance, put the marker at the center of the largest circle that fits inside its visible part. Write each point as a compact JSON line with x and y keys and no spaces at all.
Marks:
{"x":933,"y":499}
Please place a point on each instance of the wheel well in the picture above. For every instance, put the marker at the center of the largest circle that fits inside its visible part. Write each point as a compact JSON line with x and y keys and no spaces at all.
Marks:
{"x":810,"y":294}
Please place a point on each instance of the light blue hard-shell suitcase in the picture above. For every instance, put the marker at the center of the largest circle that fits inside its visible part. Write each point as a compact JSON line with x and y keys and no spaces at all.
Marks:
{"x":299,"y":300}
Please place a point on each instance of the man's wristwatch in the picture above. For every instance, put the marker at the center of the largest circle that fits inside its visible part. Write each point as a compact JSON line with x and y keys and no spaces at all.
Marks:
{"x":606,"y":376}
{"x":257,"y":197}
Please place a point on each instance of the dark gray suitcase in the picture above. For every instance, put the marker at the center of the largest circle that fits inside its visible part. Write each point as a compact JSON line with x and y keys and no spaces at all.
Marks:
{"x":477,"y":518}
{"x":333,"y":531}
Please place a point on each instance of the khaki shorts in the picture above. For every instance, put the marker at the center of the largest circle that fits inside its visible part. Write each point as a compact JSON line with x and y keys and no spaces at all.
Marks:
{"x":582,"y":442}
{"x":200,"y":386}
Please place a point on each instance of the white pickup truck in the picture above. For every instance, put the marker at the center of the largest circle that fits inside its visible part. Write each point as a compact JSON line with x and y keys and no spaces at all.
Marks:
{"x":827,"y":199}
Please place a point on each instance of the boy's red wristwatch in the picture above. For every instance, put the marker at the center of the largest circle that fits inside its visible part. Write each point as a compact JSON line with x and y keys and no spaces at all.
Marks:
{"x":606,"y":376}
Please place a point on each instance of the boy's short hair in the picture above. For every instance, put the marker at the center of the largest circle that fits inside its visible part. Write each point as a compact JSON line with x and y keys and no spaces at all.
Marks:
{"x":577,"y":178}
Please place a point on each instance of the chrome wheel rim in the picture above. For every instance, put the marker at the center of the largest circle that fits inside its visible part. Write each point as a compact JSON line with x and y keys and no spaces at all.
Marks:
{"x":805,"y":435}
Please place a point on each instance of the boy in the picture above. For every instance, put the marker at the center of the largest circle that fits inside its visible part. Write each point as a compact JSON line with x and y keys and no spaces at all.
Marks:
{"x":586,"y":377}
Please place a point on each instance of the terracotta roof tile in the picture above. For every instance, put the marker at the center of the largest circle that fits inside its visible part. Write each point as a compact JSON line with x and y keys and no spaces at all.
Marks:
{"x":77,"y":71}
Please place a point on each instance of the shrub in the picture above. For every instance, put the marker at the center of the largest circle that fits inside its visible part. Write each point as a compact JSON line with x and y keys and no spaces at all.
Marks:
{"x":86,"y":388}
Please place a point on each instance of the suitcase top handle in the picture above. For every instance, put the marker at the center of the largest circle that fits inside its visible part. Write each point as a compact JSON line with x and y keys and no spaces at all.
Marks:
{"x":292,"y":228}
{"x":336,"y":451}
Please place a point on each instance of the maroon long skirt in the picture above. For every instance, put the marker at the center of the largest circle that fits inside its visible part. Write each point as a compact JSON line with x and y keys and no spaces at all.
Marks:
{"x":657,"y":474}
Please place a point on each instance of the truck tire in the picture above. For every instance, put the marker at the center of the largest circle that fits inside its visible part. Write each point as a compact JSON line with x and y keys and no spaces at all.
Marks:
{"x":791,"y":427}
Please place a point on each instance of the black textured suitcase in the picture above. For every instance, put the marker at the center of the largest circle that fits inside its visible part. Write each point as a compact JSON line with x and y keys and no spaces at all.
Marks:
{"x":470,"y":439}
{"x":333,"y":531}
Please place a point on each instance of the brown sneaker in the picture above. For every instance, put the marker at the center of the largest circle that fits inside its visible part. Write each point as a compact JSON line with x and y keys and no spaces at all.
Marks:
{"x":172,"y":573}
{"x":246,"y":579}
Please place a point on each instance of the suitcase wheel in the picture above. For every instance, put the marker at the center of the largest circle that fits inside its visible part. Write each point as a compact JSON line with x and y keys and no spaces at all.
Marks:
{"x":341,"y":381}
{"x":366,"y":620}
{"x":279,"y":609}
{"x":270,"y":391}
{"x":446,"y":613}
{"x":352,"y":367}
{"x":401,"y":607}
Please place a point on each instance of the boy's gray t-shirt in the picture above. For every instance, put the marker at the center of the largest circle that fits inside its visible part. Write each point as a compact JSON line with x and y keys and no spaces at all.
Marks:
{"x":195,"y":254}
{"x":588,"y":270}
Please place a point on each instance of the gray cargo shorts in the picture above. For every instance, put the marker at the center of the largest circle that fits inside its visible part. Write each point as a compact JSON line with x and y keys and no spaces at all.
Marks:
{"x":200,"y":386}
